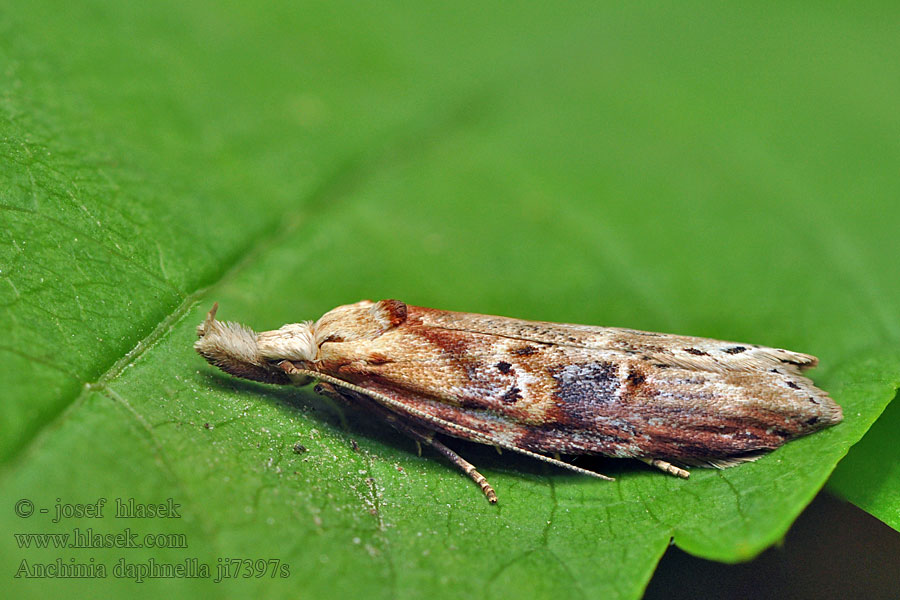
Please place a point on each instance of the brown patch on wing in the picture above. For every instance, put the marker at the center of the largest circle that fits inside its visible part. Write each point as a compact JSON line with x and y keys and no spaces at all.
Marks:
{"x":454,"y":344}
{"x":393,"y":311}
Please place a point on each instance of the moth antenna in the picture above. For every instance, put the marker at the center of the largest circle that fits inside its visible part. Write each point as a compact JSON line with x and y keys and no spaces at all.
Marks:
{"x":203,"y":328}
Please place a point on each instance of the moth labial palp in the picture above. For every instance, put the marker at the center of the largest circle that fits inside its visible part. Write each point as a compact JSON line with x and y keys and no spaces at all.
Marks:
{"x":537,"y":388}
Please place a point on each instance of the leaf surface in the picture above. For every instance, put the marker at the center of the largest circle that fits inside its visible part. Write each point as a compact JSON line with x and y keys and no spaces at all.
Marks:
{"x":717,"y":173}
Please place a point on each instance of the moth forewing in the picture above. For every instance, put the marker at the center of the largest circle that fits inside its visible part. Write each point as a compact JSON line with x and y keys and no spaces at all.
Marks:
{"x":540,"y":388}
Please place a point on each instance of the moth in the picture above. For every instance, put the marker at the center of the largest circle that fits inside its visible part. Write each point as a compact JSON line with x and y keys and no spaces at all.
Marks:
{"x":537,"y":388}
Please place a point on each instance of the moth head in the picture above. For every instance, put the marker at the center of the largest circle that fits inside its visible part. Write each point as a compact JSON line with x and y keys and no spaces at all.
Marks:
{"x":235,"y":349}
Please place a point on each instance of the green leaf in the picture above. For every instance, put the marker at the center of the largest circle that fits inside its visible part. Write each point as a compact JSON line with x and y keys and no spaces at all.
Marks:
{"x":717,"y":173}
{"x":870,"y":475}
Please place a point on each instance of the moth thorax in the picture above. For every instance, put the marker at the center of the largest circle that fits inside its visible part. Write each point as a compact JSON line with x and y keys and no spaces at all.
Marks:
{"x":295,"y":341}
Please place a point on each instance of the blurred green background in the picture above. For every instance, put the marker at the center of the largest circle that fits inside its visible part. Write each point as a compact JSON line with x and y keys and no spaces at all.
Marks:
{"x":694,"y":168}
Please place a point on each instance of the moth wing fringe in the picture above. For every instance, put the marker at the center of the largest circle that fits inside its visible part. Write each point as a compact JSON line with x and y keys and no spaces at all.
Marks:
{"x":724,"y":462}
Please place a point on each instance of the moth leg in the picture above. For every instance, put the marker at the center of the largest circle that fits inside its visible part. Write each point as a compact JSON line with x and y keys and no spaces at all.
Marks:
{"x":296,"y":376}
{"x":667,"y":467}
{"x":326,"y":389}
{"x":340,"y":402}
{"x":420,"y":436}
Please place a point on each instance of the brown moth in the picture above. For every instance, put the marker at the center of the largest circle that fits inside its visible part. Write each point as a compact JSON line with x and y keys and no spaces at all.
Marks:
{"x":538,"y":388}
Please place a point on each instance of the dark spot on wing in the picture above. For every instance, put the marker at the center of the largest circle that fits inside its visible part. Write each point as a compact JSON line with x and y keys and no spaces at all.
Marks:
{"x":524,"y":351}
{"x":812,"y":421}
{"x":793,"y":385}
{"x":512,"y":394}
{"x":504,"y":367}
{"x":734,"y":350}
{"x":636,"y":378}
{"x":695,"y":352}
